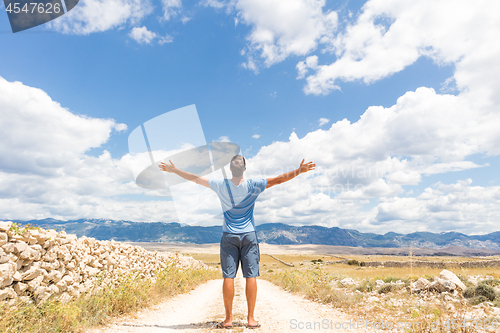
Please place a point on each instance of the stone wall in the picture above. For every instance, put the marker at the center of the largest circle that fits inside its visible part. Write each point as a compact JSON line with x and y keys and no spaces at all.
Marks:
{"x":431,"y":264}
{"x":41,"y":263}
{"x":436,"y":264}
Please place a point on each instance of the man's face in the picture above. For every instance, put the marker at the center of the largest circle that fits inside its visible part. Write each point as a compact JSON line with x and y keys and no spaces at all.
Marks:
{"x":237,"y":167}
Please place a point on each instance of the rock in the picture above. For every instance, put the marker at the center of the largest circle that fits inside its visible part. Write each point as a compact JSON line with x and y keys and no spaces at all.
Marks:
{"x":7,"y":293}
{"x":4,"y":258}
{"x":373,"y":299}
{"x":494,"y":311}
{"x":67,"y":280}
{"x":20,"y":246}
{"x":7,"y":270}
{"x":30,"y":254}
{"x":420,"y":284}
{"x":440,"y":285}
{"x":25,"y":299}
{"x":3,"y":238}
{"x":73,"y":291}
{"x":35,"y":283}
{"x":53,"y":276}
{"x":32,"y":271}
{"x":65,"y":298}
{"x":30,"y":240}
{"x":5,"y":226}
{"x":93,"y":271}
{"x":400,"y":283}
{"x":449,"y":276}
{"x":41,"y":237}
{"x":20,"y":288}
{"x":8,"y":248}
{"x":53,"y":289}
{"x":379,"y":283}
{"x":17,"y":276}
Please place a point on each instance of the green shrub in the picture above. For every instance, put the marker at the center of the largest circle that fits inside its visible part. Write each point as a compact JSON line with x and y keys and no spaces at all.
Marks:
{"x":353,"y":262}
{"x":365,"y":285}
{"x":477,"y":300}
{"x":386,"y":289}
{"x":390,"y":279}
{"x":480,"y":290}
{"x":491,"y":282}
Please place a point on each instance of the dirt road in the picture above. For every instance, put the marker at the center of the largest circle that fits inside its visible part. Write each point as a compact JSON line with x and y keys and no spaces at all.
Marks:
{"x":201,"y":309}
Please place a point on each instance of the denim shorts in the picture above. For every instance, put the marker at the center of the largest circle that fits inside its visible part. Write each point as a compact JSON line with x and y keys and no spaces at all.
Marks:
{"x":239,"y":247}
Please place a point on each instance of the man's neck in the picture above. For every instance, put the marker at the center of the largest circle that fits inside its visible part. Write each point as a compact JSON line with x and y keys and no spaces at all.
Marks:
{"x":237,"y":180}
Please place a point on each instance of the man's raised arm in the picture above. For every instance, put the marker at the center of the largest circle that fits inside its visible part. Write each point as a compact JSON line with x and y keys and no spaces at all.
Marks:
{"x":304,"y":167}
{"x":184,"y":174}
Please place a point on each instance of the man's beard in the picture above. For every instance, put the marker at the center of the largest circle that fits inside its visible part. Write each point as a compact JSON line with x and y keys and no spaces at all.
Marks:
{"x":237,"y":172}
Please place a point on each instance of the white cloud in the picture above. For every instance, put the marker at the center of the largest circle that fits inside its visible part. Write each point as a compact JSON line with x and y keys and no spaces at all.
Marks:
{"x":46,"y":171}
{"x":450,"y":32}
{"x":214,"y":3}
{"x":459,"y":206}
{"x":223,"y":138}
{"x":387,"y":148}
{"x":171,"y":8}
{"x":256,"y":136}
{"x":142,"y":35}
{"x":323,"y":121}
{"x":282,"y":28}
{"x":39,"y":135}
{"x":166,"y":39}
{"x":100,"y":15}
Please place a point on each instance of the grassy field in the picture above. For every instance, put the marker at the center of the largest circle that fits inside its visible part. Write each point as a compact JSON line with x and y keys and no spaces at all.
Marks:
{"x":314,"y":279}
{"x":340,"y":271}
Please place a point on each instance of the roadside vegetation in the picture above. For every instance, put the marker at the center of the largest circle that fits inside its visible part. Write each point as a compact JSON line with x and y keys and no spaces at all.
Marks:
{"x":126,"y":295}
{"x":383,"y":294}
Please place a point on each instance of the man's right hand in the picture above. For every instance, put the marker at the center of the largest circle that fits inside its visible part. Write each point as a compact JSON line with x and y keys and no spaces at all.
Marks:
{"x":168,"y":167}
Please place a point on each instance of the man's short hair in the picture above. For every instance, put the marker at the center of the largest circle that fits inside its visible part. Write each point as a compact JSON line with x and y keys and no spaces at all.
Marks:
{"x":236,"y":156}
{"x":237,"y":171}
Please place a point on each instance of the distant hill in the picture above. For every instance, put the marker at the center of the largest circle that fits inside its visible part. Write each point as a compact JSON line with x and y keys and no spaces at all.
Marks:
{"x":271,"y":233}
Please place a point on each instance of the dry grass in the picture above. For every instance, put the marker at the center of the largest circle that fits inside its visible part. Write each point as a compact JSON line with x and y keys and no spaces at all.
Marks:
{"x":315,"y":284}
{"x":128,"y":294}
{"x":321,"y":282}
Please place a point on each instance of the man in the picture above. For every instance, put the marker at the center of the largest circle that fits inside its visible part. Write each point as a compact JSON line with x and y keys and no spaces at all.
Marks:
{"x":239,"y":239}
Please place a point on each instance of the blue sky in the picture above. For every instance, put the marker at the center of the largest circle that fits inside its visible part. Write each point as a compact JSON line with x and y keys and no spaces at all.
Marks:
{"x":406,"y":88}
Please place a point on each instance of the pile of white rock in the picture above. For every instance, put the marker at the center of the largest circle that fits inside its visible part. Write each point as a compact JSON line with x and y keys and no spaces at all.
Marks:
{"x":445,"y":282}
{"x":42,"y":263}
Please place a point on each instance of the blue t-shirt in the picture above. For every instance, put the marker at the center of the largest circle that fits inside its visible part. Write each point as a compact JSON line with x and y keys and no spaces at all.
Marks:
{"x":238,"y":219}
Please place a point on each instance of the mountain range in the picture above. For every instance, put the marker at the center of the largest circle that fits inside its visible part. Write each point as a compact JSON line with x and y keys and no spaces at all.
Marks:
{"x":271,"y":233}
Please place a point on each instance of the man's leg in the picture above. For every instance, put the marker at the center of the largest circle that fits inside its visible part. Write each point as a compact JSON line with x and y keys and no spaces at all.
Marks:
{"x":229,"y":260}
{"x":251,"y":293}
{"x":228,"y":295}
{"x":250,"y":265}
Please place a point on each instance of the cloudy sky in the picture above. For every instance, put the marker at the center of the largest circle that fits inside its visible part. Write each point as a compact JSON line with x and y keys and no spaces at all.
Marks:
{"x":397,"y":101}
